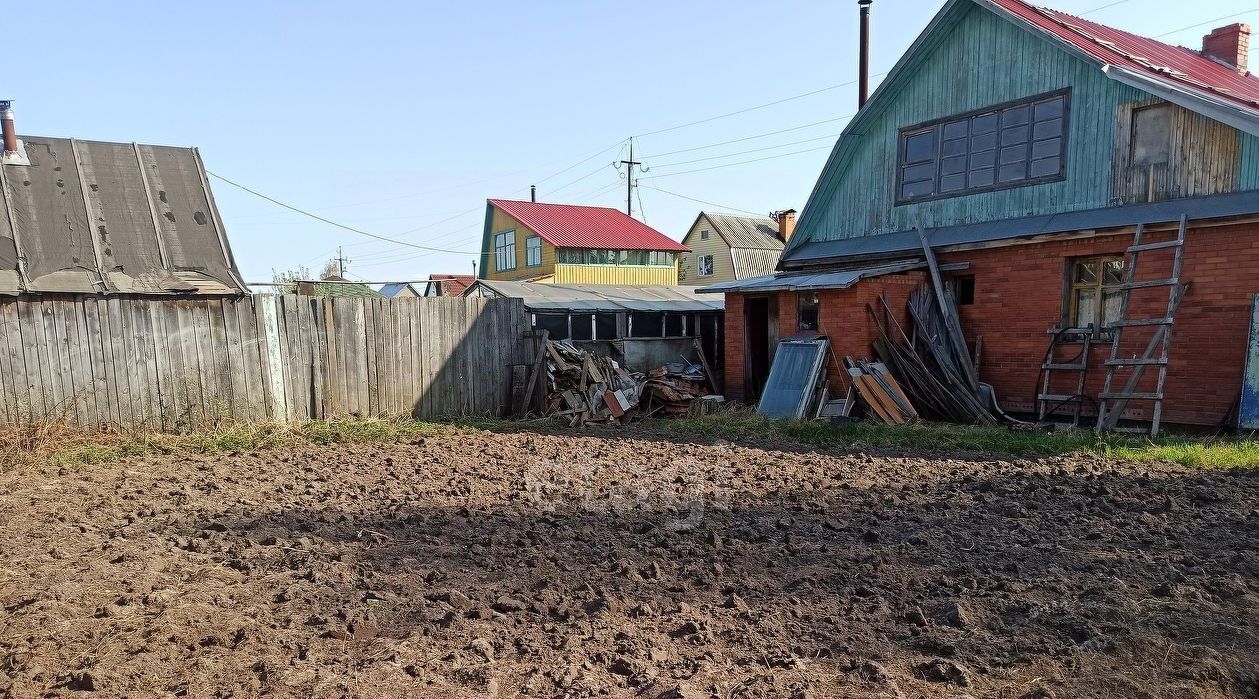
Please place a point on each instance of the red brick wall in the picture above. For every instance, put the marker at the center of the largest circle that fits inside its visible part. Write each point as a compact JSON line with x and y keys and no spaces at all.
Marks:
{"x":1019,"y":295}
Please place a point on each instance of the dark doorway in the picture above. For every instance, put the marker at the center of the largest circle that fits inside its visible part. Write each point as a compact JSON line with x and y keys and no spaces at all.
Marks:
{"x":761,"y":324}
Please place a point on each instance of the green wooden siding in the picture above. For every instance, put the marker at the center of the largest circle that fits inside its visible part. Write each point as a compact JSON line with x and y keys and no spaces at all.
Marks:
{"x":856,"y":195}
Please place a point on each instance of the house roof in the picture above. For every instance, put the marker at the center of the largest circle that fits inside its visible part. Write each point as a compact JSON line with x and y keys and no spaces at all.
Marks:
{"x":746,"y":231}
{"x":392,"y":290}
{"x":452,"y":284}
{"x":343,"y":288}
{"x":90,"y":217}
{"x":570,"y":226}
{"x":1175,"y":66}
{"x":802,"y":281}
{"x":752,"y":262}
{"x":601,"y":297}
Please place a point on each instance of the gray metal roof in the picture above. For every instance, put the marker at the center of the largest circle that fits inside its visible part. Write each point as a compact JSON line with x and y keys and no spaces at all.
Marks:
{"x":904,"y":243}
{"x":799,"y":281}
{"x":392,"y":290}
{"x":598,"y":297}
{"x":753,"y":262}
{"x":746,"y":231}
{"x":89,"y":217}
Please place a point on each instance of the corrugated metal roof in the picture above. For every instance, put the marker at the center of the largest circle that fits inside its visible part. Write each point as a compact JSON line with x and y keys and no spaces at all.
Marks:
{"x":90,"y":217}
{"x":799,"y":281}
{"x":452,"y":284}
{"x":599,"y":297}
{"x":902,"y":243}
{"x":746,"y":231}
{"x":1172,"y":65}
{"x":753,"y":262}
{"x":392,"y":290}
{"x":570,"y":226}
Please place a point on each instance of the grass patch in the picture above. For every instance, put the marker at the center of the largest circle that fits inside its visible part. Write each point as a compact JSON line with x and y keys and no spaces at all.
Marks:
{"x":59,"y":444}
{"x":1213,"y":452}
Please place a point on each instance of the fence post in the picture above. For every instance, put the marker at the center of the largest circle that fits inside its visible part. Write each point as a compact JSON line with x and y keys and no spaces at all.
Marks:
{"x":275,"y":358}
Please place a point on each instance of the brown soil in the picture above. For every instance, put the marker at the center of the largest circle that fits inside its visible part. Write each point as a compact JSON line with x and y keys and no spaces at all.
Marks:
{"x":476,"y":564}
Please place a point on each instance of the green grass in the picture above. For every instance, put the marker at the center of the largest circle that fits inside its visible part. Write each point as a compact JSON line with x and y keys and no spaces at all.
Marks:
{"x":60,"y":445}
{"x":1212,"y":452}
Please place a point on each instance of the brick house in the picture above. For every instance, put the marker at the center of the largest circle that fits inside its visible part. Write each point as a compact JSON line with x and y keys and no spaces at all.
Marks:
{"x":1028,"y":145}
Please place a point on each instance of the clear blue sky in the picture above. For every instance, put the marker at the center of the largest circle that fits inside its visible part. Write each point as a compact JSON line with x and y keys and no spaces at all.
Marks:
{"x":402,"y":118}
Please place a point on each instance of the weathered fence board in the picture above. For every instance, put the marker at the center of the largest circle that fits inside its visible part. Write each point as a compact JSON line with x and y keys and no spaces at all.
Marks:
{"x":176,"y":364}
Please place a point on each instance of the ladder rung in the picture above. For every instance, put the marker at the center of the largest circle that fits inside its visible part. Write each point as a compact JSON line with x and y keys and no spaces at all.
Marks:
{"x":1064,"y":367}
{"x":1141,"y":322}
{"x":1155,"y":246}
{"x":1147,"y":284}
{"x":1135,"y":430}
{"x":1055,"y":397}
{"x":1138,"y":361}
{"x":1131,"y":396}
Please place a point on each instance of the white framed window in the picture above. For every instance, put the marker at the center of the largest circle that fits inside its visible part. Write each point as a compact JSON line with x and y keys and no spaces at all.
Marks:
{"x":703,"y":234}
{"x":533,"y":251}
{"x":505,"y":250}
{"x":705,"y":265}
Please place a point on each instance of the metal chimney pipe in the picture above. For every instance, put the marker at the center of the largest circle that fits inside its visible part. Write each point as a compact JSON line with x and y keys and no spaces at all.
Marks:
{"x":6,"y":126}
{"x":863,"y":59}
{"x":533,"y":193}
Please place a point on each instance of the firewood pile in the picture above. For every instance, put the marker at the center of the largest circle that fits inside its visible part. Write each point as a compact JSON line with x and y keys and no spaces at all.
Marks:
{"x":587,"y":388}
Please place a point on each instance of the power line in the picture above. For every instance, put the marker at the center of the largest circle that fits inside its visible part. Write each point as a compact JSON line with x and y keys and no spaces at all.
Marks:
{"x":754,"y":150}
{"x":1210,"y":21}
{"x":701,"y":201}
{"x":754,"y":137}
{"x":330,"y":222}
{"x":741,"y":162}
{"x":1103,"y":7}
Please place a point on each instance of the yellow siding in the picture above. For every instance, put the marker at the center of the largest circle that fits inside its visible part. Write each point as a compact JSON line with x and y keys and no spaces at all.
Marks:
{"x":612,"y":274}
{"x":502,"y":222}
{"x":723,"y":267}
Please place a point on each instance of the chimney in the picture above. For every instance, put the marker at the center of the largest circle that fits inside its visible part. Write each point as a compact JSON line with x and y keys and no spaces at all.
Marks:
{"x":786,"y":224}
{"x":533,"y":193}
{"x":6,"y":126}
{"x":1228,"y":45}
{"x":863,"y":57}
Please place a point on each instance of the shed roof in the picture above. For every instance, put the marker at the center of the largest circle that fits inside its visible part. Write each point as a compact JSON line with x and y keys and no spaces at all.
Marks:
{"x":452,"y":284}
{"x":801,"y":281}
{"x":746,"y":231}
{"x":392,"y":290}
{"x":90,"y":217}
{"x":570,"y":226}
{"x":600,"y":297}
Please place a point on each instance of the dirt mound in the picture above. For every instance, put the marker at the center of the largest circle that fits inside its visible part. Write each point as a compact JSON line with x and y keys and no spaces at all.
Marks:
{"x":476,"y":564}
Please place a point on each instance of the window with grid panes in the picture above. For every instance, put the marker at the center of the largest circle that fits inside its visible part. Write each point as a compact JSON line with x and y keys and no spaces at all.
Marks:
{"x":1008,"y":146}
{"x":1095,"y":297}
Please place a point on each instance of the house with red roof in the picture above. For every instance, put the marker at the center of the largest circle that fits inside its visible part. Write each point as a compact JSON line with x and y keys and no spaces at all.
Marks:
{"x":1091,"y":198}
{"x":567,"y":244}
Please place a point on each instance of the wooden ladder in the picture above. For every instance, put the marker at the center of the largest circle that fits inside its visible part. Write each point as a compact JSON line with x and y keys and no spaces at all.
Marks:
{"x":1112,"y":403}
{"x":1052,"y":364}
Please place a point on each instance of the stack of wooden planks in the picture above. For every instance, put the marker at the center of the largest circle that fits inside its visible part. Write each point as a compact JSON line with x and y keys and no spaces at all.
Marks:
{"x":877,"y":388}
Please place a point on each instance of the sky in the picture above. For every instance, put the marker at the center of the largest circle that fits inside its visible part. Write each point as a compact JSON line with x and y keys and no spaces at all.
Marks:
{"x":400,"y":119}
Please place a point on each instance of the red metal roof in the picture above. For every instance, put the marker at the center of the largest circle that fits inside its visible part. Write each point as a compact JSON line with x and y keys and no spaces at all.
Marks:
{"x":569,"y":226}
{"x":1173,"y":65}
{"x":452,"y":284}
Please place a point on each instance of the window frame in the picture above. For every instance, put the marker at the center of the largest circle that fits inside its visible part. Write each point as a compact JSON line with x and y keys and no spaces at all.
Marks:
{"x":703,"y":234}
{"x":935,"y":126}
{"x":815,"y":300}
{"x":699,"y":265}
{"x":500,"y":250}
{"x":1072,"y":288}
{"x":533,"y":244}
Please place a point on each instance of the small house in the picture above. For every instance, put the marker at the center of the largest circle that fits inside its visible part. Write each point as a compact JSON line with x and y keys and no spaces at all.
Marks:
{"x":447,"y":284}
{"x":1092,"y":197}
{"x":725,"y":247}
{"x":566,"y":244}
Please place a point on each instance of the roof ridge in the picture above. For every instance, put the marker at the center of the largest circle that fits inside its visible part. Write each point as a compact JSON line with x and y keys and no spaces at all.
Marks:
{"x":549,"y":203}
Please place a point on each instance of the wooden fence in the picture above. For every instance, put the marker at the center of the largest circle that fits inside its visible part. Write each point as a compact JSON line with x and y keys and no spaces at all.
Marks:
{"x":175,"y":364}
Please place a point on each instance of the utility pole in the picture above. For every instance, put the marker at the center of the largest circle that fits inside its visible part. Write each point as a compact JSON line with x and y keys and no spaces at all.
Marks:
{"x":341,"y":262}
{"x":629,"y":180}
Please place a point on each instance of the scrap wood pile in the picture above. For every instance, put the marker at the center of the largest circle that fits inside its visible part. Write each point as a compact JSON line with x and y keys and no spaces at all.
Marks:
{"x":588,"y":388}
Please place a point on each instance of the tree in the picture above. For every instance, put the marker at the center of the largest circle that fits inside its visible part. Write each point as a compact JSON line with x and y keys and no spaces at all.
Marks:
{"x":287,"y":280}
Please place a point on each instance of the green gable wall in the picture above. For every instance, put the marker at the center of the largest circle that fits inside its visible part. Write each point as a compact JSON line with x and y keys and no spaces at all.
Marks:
{"x":976,"y":59}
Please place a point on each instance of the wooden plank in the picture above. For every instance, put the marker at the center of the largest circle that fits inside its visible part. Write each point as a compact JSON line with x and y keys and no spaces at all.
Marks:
{"x":425,"y":310}
{"x":31,"y":385}
{"x":9,"y":412}
{"x":273,"y":334}
{"x":264,"y":358}
{"x":225,"y":313}
{"x":203,"y":381}
{"x":81,"y":359}
{"x":334,"y":385}
{"x":54,"y":400}
{"x":179,"y":417}
{"x":146,"y":409}
{"x":294,"y":367}
{"x":58,"y":354}
{"x":371,"y":377}
{"x":164,"y":383}
{"x":247,"y":333}
{"x":228,"y":378}
{"x":318,"y":360}
{"x":122,"y":343}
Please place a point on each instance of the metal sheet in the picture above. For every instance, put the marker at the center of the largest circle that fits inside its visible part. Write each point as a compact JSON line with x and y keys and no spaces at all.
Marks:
{"x":1248,"y":416}
{"x":48,"y":208}
{"x":797,"y":281}
{"x":792,"y":378}
{"x":753,"y":262}
{"x":602,"y":297}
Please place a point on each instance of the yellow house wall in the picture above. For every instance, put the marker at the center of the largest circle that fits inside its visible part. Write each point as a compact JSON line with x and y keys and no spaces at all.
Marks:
{"x":502,"y":222}
{"x":631,"y":275}
{"x":723,"y":266}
